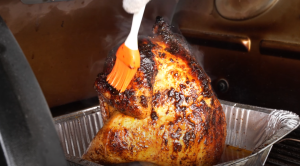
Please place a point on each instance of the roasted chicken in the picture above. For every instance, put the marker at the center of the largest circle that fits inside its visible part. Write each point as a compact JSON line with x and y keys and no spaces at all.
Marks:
{"x":168,"y":115}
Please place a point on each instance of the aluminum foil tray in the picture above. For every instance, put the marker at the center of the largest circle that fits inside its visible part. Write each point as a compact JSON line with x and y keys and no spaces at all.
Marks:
{"x":248,"y":127}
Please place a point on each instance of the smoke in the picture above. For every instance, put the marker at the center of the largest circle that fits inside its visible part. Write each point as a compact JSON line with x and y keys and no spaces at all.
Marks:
{"x":122,"y":25}
{"x":122,"y":28}
{"x":198,"y":54}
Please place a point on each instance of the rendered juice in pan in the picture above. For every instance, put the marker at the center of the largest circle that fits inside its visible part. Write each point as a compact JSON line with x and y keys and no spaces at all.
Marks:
{"x":232,"y":153}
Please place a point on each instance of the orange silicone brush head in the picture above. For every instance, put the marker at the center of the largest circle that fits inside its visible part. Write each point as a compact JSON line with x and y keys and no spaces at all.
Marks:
{"x":126,"y":65}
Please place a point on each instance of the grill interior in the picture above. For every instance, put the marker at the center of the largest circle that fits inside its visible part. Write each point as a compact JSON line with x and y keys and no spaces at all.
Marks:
{"x":286,"y":153}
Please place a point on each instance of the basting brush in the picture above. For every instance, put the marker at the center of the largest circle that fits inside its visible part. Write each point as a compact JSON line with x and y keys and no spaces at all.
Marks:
{"x":128,"y":55}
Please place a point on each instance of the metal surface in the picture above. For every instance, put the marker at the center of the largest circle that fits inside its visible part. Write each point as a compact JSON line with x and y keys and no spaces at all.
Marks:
{"x":256,"y":77}
{"x":241,"y":10}
{"x":76,"y":131}
{"x":283,"y":49}
{"x":224,"y":41}
{"x":27,"y":132}
{"x":249,"y":127}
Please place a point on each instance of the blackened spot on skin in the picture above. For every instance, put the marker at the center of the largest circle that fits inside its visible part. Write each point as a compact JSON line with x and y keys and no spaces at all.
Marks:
{"x":178,"y":119}
{"x":179,"y":98}
{"x":156,"y":98}
{"x":129,"y":93}
{"x":144,"y":101}
{"x":177,"y":134}
{"x":190,"y":121}
{"x":205,"y":81}
{"x":154,"y":115}
{"x":194,"y":107}
{"x":173,"y":157}
{"x":181,"y":109}
{"x":165,"y":137}
{"x":205,"y":141}
{"x":126,"y":132}
{"x":162,"y":127}
{"x":114,"y":92}
{"x":189,"y":136}
{"x":187,"y":99}
{"x":174,"y":49}
{"x":182,"y":86}
{"x":177,"y":147}
{"x":115,"y":142}
{"x":171,"y":92}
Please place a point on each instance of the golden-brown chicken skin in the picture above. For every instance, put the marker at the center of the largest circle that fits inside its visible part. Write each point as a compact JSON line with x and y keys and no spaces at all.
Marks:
{"x":168,"y":115}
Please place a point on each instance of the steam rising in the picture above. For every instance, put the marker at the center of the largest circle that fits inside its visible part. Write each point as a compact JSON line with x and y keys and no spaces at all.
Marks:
{"x":199,"y":55}
{"x":122,"y":26}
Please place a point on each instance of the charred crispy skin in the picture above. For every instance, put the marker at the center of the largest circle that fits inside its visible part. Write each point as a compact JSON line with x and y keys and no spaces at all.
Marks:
{"x":169,"y":114}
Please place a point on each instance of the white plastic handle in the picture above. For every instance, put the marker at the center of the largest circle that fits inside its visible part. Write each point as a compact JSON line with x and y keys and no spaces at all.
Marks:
{"x":132,"y":39}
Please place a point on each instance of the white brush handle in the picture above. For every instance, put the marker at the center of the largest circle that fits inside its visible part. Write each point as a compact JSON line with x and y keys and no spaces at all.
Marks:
{"x":132,"y":39}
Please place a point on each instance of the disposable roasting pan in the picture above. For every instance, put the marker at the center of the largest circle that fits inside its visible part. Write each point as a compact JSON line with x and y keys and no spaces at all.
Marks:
{"x":248,"y":127}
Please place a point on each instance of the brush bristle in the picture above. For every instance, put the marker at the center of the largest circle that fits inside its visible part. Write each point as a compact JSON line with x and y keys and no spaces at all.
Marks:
{"x":120,"y":76}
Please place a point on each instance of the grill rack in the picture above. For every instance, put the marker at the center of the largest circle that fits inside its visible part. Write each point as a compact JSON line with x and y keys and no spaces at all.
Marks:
{"x":286,"y":152}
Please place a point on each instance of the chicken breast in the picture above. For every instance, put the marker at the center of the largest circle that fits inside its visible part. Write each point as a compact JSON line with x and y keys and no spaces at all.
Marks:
{"x":168,"y":115}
